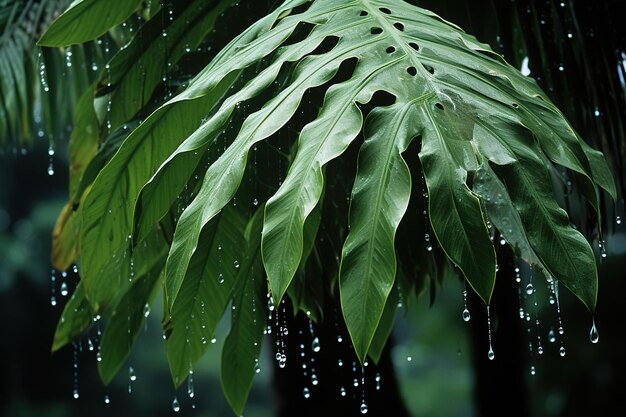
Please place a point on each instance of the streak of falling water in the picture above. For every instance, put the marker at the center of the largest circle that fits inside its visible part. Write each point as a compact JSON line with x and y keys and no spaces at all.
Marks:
{"x":377,"y":381}
{"x":132,"y":377}
{"x":190,"y":388}
{"x":64,"y":290}
{"x":42,"y":73}
{"x":363,"y":404}
{"x":466,"y":313}
{"x":50,"y":159}
{"x":53,"y":299}
{"x":602,"y":246}
{"x":490,"y":354}
{"x":75,"y":393}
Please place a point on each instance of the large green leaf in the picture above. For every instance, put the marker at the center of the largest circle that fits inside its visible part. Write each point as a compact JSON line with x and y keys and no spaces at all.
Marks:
{"x":205,"y":292}
{"x":86,"y":20}
{"x":240,"y":354}
{"x":449,"y":83}
{"x":107,"y":220}
{"x":380,"y":197}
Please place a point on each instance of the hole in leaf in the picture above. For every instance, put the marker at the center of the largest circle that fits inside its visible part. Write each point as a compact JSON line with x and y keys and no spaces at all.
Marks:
{"x":429,"y":68}
{"x":380,"y":98}
{"x":414,"y":46}
{"x":412,"y":71}
{"x":399,"y":26}
{"x":363,"y":13}
{"x":439,"y":106}
{"x":301,"y":32}
{"x":515,"y":105}
{"x":390,"y":50}
{"x":327,"y":45}
{"x":385,"y":10}
{"x":376,"y":30}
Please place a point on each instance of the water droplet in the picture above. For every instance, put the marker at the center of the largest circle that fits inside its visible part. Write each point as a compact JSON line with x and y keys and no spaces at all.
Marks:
{"x":409,"y":359}
{"x":53,"y":301}
{"x":551,"y":336}
{"x":98,"y":356}
{"x":315,"y":345}
{"x":533,"y":371}
{"x":342,"y":391}
{"x":146,"y":310}
{"x":363,"y":408}
{"x":340,"y":362}
{"x":76,"y":394}
{"x":339,"y":339}
{"x":107,"y":400}
{"x":220,"y":278}
{"x":257,"y":368}
{"x":255,"y":201}
{"x":466,"y":315}
{"x":306,"y":392}
{"x":131,"y":374}
{"x":214,"y":340}
{"x":618,"y":220}
{"x":540,"y":350}
{"x":64,"y":289}
{"x":314,"y":379}
{"x":175,"y":405}
{"x":562,"y":351}
{"x":594,"y":336}
{"x":491,"y":355}
{"x":236,"y":264}
{"x":561,"y":330}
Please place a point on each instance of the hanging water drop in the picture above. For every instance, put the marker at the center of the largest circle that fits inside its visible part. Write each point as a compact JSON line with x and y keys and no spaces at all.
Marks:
{"x":315,"y":345}
{"x":64,"y":289}
{"x":466,"y":315}
{"x":175,"y":405}
{"x":594,"y":336}
{"x":551,"y":336}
